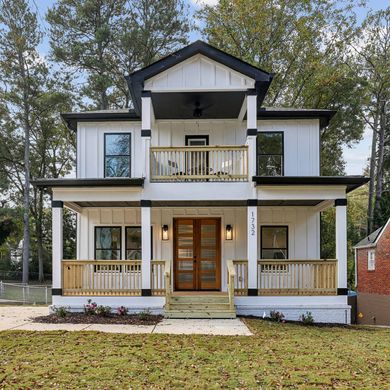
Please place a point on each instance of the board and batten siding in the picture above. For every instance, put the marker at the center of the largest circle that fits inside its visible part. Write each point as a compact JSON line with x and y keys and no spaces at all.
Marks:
{"x":303,"y":224}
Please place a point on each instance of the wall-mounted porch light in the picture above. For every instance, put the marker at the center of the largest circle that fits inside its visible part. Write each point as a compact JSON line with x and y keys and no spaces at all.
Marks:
{"x":229,"y":232}
{"x":165,"y":235}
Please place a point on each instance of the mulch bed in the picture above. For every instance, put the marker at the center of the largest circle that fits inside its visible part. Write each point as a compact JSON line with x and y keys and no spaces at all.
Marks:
{"x":81,"y":318}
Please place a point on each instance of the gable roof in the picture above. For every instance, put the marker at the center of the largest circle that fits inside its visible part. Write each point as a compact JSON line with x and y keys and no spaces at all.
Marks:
{"x":373,"y":238}
{"x":136,"y":79}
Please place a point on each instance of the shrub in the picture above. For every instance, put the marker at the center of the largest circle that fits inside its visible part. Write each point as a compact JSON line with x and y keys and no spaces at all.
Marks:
{"x":307,"y":318}
{"x":143,"y":315}
{"x":121,"y":311}
{"x":276,"y":316}
{"x":103,"y":311}
{"x":90,"y":307}
{"x":60,"y":311}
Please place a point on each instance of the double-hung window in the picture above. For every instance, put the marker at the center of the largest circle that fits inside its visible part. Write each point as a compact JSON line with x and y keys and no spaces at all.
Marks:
{"x":107,"y":243}
{"x":274,"y":242}
{"x":270,"y":154}
{"x":371,"y":260}
{"x":117,"y":155}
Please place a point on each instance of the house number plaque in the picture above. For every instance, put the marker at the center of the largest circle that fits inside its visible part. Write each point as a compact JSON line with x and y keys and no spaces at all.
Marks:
{"x":252,"y":224}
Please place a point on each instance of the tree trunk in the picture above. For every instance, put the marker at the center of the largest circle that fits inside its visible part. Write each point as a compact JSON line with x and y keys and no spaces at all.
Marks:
{"x":380,"y":160}
{"x":370,"y":211}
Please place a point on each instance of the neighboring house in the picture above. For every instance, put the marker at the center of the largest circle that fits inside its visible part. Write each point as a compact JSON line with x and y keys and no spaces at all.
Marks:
{"x":200,"y":199}
{"x":372,"y":275}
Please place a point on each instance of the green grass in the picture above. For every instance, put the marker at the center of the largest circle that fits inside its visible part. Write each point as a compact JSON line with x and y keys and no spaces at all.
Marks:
{"x":278,"y":356}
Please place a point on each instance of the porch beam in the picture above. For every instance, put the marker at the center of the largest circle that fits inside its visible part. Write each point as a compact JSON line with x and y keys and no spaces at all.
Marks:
{"x":252,"y":246}
{"x":146,"y":247}
{"x":57,"y":245}
{"x":341,"y":245}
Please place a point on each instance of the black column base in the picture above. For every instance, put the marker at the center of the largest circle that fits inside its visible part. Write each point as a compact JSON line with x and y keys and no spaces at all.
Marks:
{"x":146,"y":292}
{"x":342,"y":291}
{"x":252,"y":292}
{"x":56,"y":291}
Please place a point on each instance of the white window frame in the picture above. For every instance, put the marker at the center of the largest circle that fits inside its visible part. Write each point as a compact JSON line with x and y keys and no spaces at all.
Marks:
{"x":371,"y":260}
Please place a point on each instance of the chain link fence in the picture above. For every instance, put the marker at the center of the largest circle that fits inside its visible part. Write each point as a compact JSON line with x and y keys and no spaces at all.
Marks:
{"x":24,"y":294}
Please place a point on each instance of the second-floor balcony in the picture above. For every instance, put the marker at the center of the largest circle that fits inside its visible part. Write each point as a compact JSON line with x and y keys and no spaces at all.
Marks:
{"x":199,"y":163}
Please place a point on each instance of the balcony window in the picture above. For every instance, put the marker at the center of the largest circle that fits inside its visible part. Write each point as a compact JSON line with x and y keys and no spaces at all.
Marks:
{"x":270,"y":154}
{"x":274,"y":242}
{"x":107,"y":243}
{"x":117,"y":155}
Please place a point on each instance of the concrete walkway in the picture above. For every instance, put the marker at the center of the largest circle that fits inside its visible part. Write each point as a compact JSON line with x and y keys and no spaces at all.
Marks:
{"x":20,"y":318}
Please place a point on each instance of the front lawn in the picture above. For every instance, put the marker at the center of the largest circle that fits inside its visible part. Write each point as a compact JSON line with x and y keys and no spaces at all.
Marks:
{"x":279,"y":355}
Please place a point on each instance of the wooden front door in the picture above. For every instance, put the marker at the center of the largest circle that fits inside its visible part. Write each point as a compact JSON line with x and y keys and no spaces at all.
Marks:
{"x":197,"y":253}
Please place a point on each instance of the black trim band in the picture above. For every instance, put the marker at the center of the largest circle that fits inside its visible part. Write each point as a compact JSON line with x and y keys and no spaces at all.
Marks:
{"x":251,"y":132}
{"x":251,"y":92}
{"x":146,"y":292}
{"x":251,"y":202}
{"x":56,"y":291}
{"x":146,"y":203}
{"x":146,"y":133}
{"x":146,"y":93}
{"x":342,"y":291}
{"x":252,"y":292}
{"x":57,"y":203}
{"x":340,"y":202}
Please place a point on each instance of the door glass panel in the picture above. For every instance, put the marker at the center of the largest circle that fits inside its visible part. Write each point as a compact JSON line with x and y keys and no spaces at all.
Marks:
{"x":184,"y":241}
{"x":185,"y":265}
{"x":207,"y":265}
{"x":208,"y":229}
{"x":185,"y":253}
{"x":185,"y":277}
{"x":208,"y":241}
{"x":208,"y":253}
{"x":208,"y":278}
{"x":185,"y":229}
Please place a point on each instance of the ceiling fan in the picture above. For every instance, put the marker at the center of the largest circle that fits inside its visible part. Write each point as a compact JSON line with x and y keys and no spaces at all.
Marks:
{"x":198,"y":110}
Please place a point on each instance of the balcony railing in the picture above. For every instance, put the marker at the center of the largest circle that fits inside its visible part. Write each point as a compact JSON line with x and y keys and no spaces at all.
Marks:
{"x":199,"y":163}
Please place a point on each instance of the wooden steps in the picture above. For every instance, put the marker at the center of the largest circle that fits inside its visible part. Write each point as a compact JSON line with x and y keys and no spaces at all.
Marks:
{"x":199,"y":306}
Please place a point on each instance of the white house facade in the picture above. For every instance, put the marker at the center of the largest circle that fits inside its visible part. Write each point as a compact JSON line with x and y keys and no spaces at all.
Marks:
{"x":199,"y":202}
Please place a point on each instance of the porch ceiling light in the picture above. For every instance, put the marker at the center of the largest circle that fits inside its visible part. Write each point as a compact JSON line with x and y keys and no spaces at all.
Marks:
{"x":165,"y":235}
{"x":229,"y":232}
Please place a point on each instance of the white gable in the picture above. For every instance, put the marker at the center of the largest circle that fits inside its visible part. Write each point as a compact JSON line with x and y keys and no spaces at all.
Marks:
{"x":198,"y":73}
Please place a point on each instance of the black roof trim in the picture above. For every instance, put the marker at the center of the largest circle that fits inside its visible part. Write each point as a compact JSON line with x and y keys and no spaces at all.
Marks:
{"x":136,"y":79}
{"x":106,"y":182}
{"x":296,"y":113}
{"x":352,"y":182}
{"x":72,"y":118}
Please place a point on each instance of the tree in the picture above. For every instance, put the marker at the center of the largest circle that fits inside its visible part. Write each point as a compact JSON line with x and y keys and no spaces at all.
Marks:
{"x":108,"y":38}
{"x":372,"y":48}
{"x":22,"y":74}
{"x":305,"y":43}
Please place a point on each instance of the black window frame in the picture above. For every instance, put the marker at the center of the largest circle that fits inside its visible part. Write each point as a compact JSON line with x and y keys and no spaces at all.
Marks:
{"x":264,"y":154}
{"x":261,"y":241}
{"x":151,"y":239}
{"x":117,"y":155}
{"x":120,"y":241}
{"x":198,"y":136}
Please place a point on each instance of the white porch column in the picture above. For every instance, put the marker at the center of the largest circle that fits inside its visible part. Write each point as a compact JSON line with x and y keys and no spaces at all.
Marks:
{"x":251,"y":133}
{"x":252,"y":246}
{"x":146,"y":131}
{"x":341,"y":245}
{"x":146,"y":246}
{"x":57,"y":245}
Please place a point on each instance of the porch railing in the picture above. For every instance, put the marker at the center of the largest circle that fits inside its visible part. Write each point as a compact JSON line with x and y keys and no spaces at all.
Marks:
{"x":241,"y":280}
{"x":199,"y":163}
{"x":110,"y":277}
{"x":297,"y":277}
{"x":231,"y":277}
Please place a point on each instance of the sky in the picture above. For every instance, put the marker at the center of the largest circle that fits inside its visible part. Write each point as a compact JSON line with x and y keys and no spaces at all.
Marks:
{"x":356,"y":157}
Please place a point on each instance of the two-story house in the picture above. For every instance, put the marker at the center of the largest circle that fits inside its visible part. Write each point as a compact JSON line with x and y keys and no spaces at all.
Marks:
{"x":199,"y":201}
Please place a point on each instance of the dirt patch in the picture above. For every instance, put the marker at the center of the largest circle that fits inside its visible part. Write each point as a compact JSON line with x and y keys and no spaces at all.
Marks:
{"x":81,"y":318}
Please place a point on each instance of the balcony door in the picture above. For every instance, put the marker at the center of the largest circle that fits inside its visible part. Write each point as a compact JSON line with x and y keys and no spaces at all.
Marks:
{"x":197,"y":254}
{"x":197,"y":161}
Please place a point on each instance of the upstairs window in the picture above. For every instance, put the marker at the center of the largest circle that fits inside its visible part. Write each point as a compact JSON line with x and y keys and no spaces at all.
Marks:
{"x":117,"y":155}
{"x":274,"y":242}
{"x":371,"y":260}
{"x":270,"y":154}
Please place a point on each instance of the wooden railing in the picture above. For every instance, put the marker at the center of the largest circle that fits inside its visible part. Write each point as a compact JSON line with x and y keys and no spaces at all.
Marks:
{"x":297,"y":277}
{"x":241,"y":280}
{"x":168,"y":289}
{"x":199,"y":163}
{"x":231,"y":276}
{"x":109,"y":277}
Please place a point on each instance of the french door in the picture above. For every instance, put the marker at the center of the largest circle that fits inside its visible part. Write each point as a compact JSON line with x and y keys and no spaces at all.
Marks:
{"x":197,"y":253}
